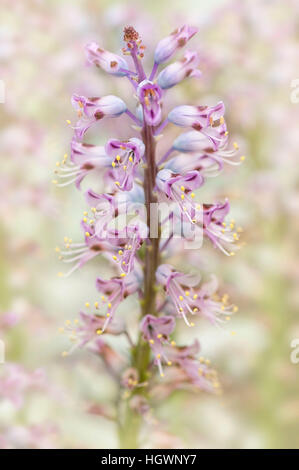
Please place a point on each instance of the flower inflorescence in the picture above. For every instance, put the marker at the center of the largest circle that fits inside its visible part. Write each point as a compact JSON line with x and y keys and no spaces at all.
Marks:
{"x":136,"y":175}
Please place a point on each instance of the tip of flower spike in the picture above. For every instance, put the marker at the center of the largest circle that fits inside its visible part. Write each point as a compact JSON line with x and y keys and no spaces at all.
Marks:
{"x":130,"y":34}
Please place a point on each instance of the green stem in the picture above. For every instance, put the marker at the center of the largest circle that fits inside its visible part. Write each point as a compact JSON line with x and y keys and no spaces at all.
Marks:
{"x":129,"y":431}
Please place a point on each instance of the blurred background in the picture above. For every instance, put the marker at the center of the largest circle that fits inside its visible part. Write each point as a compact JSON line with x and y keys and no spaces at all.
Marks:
{"x":249,"y":59}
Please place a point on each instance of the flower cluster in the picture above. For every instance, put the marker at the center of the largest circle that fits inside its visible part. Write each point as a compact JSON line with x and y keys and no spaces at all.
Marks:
{"x":138,"y":178}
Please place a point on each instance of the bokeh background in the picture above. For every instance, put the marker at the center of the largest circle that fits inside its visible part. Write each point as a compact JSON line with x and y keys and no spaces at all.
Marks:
{"x":249,"y":58}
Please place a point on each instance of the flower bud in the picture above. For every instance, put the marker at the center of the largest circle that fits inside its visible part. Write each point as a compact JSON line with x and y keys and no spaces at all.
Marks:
{"x":149,"y":95}
{"x":197,"y":117}
{"x":176,"y":72}
{"x":169,"y":45}
{"x":193,"y":141}
{"x":109,"y":62}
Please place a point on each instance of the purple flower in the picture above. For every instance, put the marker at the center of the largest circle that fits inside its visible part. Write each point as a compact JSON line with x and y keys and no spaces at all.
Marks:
{"x":178,"y":71}
{"x":115,"y":290}
{"x":205,"y":164}
{"x":149,"y":95}
{"x":85,"y":158}
{"x":190,"y":298}
{"x":88,"y":328}
{"x":194,"y":141}
{"x":109,"y":62}
{"x":105,"y":208}
{"x":80,"y":253}
{"x":221,"y":234}
{"x":130,"y":241}
{"x":198,"y":117}
{"x":211,"y":142}
{"x":169,"y":45}
{"x":91,"y":110}
{"x":179,"y":189}
{"x":156,"y":331}
{"x":125,"y":241}
{"x":191,"y":370}
{"x":216,"y":311}
{"x":176,"y":285}
{"x":125,"y":157}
